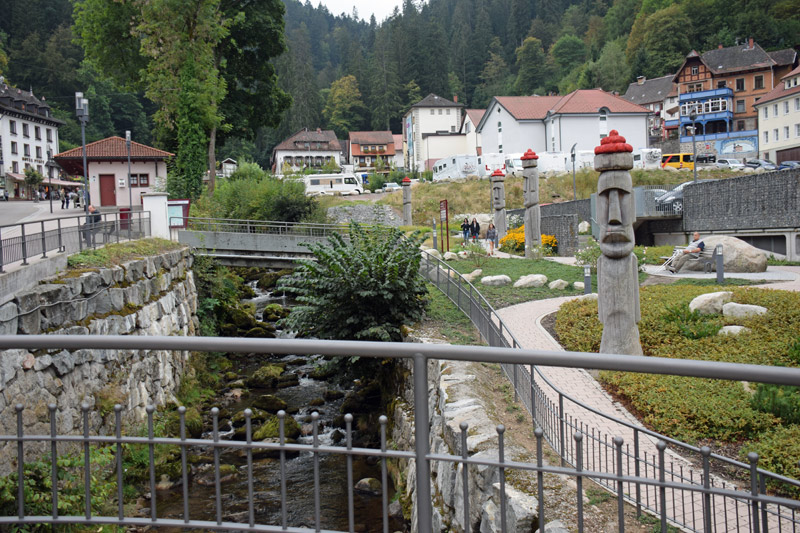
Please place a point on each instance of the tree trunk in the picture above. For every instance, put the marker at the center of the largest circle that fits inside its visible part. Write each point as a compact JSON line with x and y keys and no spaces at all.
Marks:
{"x":212,"y":159}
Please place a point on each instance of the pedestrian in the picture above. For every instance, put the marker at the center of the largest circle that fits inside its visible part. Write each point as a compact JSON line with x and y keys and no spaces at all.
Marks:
{"x":63,"y":198}
{"x":474,"y":229}
{"x":66,"y":198}
{"x":92,"y":224}
{"x":465,"y":230}
{"x":491,"y":236}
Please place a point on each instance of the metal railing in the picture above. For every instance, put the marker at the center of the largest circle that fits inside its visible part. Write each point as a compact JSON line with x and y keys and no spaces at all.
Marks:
{"x":561,"y":417}
{"x":759,"y":510}
{"x":23,"y":241}
{"x":266,"y":227}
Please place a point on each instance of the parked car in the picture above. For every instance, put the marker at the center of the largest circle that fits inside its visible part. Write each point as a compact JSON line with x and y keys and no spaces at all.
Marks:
{"x":788,"y":164}
{"x":673,"y":200}
{"x":391,"y":187}
{"x":730,"y":164}
{"x":766,"y":164}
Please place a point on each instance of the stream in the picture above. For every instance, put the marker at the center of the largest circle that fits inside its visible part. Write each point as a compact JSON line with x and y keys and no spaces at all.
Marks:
{"x":266,"y":471}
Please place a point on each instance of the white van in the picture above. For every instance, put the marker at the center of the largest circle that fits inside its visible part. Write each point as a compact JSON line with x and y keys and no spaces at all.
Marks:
{"x":455,"y":167}
{"x":333,"y":184}
{"x":488,"y":163}
{"x":647,"y":158}
{"x":513,"y":164}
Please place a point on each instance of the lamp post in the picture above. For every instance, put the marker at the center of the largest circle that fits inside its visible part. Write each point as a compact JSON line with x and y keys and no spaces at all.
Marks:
{"x":693,"y":117}
{"x":49,"y":166}
{"x":130,"y":192}
{"x":587,"y":279}
{"x":82,"y":111}
{"x":574,"y":187}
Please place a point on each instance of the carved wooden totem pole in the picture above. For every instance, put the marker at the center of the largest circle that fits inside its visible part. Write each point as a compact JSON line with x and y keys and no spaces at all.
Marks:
{"x":532,"y":220}
{"x":406,"y":201}
{"x":617,"y":279}
{"x":499,"y":202}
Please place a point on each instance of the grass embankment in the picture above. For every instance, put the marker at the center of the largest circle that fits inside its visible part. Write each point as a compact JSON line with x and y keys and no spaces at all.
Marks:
{"x":765,"y":419}
{"x":115,"y":254}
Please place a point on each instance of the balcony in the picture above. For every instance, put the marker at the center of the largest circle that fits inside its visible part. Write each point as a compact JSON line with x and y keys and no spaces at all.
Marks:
{"x":707,"y":117}
{"x":720,"y":136}
{"x":704,"y":95}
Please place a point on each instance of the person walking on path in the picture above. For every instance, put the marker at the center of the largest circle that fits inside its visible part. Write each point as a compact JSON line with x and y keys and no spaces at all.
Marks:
{"x":474,"y":229}
{"x":491,"y":236}
{"x":465,"y":230}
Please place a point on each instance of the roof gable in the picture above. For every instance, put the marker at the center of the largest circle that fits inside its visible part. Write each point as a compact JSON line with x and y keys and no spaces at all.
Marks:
{"x":371,"y":137}
{"x":592,"y":100}
{"x":115,"y":148}
{"x":311,"y":137}
{"x":433,"y":100}
{"x":650,"y":91}
{"x":737,"y":58}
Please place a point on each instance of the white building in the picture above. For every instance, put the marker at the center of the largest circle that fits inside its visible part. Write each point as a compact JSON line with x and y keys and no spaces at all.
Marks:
{"x":472,"y":118}
{"x":554,"y":123}
{"x":368,"y":147}
{"x":228,"y":167}
{"x":779,"y":120}
{"x":107,"y":162}
{"x":425,"y":123}
{"x":27,"y":131}
{"x":660,"y":96}
{"x":398,"y":161}
{"x":307,"y":149}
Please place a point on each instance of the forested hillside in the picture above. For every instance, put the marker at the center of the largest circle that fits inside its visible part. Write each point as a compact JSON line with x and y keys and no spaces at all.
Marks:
{"x":346,"y":73}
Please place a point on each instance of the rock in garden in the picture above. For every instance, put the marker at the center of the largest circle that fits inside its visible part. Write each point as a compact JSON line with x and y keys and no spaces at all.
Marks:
{"x":584,"y":227}
{"x":531,"y":280}
{"x":735,"y":310}
{"x":559,"y":284}
{"x":475,"y":274}
{"x":710,"y":303}
{"x":433,"y":253}
{"x":520,"y":511}
{"x":369,"y":485}
{"x":463,"y":254}
{"x":738,"y":256}
{"x":591,"y":296}
{"x":500,"y":280}
{"x":578,"y":285}
{"x":556,"y":526}
{"x":732,"y":330}
{"x":450,"y":256}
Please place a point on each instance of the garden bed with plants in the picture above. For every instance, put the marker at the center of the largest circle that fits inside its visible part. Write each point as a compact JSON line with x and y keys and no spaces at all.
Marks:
{"x":754,"y":417}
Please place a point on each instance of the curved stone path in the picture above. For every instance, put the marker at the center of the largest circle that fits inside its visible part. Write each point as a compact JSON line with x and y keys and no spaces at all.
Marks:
{"x":524,"y":321}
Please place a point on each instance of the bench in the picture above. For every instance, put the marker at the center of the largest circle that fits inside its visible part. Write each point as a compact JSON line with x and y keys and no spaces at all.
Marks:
{"x":708,"y":257}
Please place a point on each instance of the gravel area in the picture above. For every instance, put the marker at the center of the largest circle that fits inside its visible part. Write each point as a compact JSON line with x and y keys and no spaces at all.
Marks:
{"x":365,"y":214}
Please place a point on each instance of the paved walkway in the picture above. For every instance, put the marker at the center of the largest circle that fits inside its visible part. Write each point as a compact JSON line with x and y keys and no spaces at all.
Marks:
{"x":524,"y":321}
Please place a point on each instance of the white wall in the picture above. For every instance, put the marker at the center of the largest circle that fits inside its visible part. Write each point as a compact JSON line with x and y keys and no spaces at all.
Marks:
{"x":779,"y":122}
{"x":438,"y":147}
{"x":156,"y":171}
{"x":473,"y":139}
{"x":517,"y":136}
{"x":38,"y":163}
{"x":566,"y":130}
{"x":424,"y":122}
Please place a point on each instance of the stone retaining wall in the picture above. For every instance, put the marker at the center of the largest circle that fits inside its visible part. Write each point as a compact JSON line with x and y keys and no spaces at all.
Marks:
{"x":153,"y":296}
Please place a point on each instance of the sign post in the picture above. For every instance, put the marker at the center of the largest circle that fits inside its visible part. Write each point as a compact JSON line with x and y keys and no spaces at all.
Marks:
{"x":445,"y":223}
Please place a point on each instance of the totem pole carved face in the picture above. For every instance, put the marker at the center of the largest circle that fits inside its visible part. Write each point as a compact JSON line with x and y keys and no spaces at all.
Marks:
{"x":615,"y":213}
{"x":498,"y":199}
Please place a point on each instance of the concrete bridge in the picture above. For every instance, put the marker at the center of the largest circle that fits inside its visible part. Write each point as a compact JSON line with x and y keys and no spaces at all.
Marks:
{"x":253,"y":242}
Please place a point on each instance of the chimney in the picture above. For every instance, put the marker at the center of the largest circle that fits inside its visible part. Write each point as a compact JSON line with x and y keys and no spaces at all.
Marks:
{"x":719,"y":46}
{"x":750,"y":43}
{"x":319,"y":130}
{"x":455,"y":98}
{"x":640,"y":80}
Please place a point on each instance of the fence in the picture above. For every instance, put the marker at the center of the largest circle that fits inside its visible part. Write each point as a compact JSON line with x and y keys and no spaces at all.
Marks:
{"x":761,"y":509}
{"x":21,"y":242}
{"x":560,"y":417}
{"x":264,"y":227}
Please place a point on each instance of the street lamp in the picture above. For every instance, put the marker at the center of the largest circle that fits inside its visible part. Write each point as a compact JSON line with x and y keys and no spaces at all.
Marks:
{"x":574,"y":187}
{"x":82,"y":111}
{"x":130,"y":193}
{"x":587,"y":279}
{"x":693,"y":117}
{"x":49,"y":166}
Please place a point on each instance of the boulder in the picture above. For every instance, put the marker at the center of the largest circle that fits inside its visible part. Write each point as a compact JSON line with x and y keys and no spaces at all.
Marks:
{"x":584,"y":227}
{"x":269,"y":403}
{"x":732,"y":330}
{"x":521,"y":511}
{"x":556,"y":526}
{"x":450,"y":256}
{"x":738,"y":256}
{"x":578,"y":286}
{"x":735,"y":310}
{"x":531,"y":280}
{"x":432,"y":252}
{"x":500,"y":280}
{"x":710,"y":303}
{"x":266,"y":376}
{"x":463,"y":254}
{"x":558,"y":284}
{"x":369,"y":485}
{"x":475,"y":274}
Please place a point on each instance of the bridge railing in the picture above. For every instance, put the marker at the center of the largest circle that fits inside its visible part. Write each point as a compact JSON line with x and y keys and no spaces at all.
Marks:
{"x":560,"y":416}
{"x":753,"y":509}
{"x":23,"y":241}
{"x":268,"y":227}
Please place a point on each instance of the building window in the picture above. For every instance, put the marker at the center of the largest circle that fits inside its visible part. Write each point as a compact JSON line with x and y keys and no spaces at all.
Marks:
{"x":694,"y":87}
{"x":38,"y":152}
{"x":39,"y":169}
{"x":740,"y":125}
{"x":759,"y":82}
{"x":740,"y":106}
{"x":500,"y":148}
{"x":37,"y":133}
{"x":26,"y":150}
{"x":134,"y":180}
{"x":786,"y":107}
{"x":766,"y":137}
{"x":433,"y":111}
{"x":695,"y":71}
{"x":467,"y":128}
{"x":440,"y":111}
{"x":49,"y":135}
{"x":25,"y":130}
{"x":797,"y":130}
{"x":12,"y":127}
{"x":721,"y":84}
{"x":739,"y":84}
{"x":797,"y":104}
{"x":13,"y":147}
{"x":499,"y":127}
{"x":775,"y":110}
{"x":15,"y":167}
{"x":448,"y":111}
{"x":766,"y":112}
{"x":775,"y":135}
{"x":786,"y":132}
{"x":452,"y":129}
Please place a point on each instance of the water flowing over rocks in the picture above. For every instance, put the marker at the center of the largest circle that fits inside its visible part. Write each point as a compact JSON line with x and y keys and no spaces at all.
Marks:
{"x":152,"y":296}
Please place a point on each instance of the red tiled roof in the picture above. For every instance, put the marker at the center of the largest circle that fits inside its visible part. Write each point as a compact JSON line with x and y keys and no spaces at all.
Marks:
{"x":114,"y":148}
{"x":475,"y":115}
{"x":371,"y":137}
{"x":528,"y":107}
{"x":591,"y":100}
{"x":778,"y":92}
{"x":795,"y":72}
{"x":306,"y":136}
{"x":398,"y":142}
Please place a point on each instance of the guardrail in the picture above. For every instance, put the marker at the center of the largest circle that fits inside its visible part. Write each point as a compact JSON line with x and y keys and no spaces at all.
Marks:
{"x":760,"y":509}
{"x":561,"y":417}
{"x":268,"y":227}
{"x":23,"y":241}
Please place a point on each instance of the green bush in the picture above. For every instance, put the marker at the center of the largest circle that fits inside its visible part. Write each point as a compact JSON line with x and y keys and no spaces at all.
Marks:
{"x":364,"y":287}
{"x":782,"y":401}
{"x":778,"y":450}
{"x":589,"y":254}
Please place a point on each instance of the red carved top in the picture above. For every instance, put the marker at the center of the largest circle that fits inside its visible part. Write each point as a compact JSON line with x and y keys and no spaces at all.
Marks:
{"x":530,"y":154}
{"x":612,"y":144}
{"x":406,"y":180}
{"x":498,"y":172}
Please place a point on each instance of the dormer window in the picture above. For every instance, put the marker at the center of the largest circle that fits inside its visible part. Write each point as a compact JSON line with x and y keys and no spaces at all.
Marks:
{"x":695,"y":71}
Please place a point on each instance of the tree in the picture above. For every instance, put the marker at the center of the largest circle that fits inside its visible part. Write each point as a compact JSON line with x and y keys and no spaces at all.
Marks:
{"x":344,"y":108}
{"x":531,"y":64}
{"x":363,"y":288}
{"x":665,"y":40}
{"x":33,"y":179}
{"x":413,"y":95}
{"x":384,"y":100}
{"x":3,"y":55}
{"x":611,"y":69}
{"x":186,"y":180}
{"x":568,"y":52}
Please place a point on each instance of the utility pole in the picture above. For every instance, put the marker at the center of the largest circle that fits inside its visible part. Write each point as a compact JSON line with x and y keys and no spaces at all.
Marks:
{"x":82,"y":111}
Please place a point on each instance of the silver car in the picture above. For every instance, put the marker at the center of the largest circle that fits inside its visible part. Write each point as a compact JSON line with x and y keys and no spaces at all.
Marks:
{"x":731,"y":164}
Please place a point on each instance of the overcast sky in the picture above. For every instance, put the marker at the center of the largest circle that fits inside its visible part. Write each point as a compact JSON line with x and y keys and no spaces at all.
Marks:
{"x":381,"y":8}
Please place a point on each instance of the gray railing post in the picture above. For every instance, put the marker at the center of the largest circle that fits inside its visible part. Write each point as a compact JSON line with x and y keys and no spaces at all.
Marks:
{"x":561,"y":447}
{"x":61,"y":247}
{"x":44,"y":243}
{"x":705,"y":451}
{"x":20,"y":465}
{"x":618,"y":441}
{"x":637,"y":471}
{"x":1,"y":253}
{"x":753,"y":458}
{"x":720,"y":265}
{"x":539,"y":433}
{"x":24,"y":246}
{"x":533,"y":397}
{"x":662,"y":490}
{"x":578,"y":477}
{"x":421,"y":444}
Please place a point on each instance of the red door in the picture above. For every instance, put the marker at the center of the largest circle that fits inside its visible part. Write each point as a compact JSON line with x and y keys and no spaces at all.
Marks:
{"x":108,"y":190}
